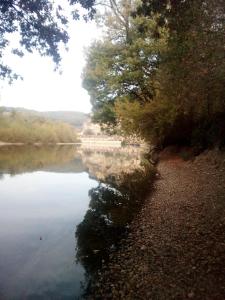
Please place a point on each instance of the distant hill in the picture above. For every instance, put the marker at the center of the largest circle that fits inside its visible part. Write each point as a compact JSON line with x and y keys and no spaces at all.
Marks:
{"x":74,"y":118}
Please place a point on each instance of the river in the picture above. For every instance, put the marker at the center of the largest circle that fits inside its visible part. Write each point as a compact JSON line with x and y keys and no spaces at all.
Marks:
{"x":61,"y":212}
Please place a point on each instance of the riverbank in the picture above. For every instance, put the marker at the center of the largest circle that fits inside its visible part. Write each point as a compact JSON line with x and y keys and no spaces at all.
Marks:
{"x":175,"y":249}
{"x":38,"y":144}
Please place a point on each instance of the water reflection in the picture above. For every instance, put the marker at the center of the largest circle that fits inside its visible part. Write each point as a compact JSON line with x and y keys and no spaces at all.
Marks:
{"x":111,"y":209}
{"x":108,"y":162}
{"x":68,"y":159}
{"x":55,"y":190}
{"x":96,"y":233}
{"x":20,"y":159}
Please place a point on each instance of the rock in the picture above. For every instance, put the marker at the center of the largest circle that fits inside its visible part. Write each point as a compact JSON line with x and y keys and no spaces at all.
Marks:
{"x":191,"y":295}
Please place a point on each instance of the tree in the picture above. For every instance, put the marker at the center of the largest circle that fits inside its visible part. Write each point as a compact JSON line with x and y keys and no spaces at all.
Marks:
{"x":42,"y":26}
{"x":192,"y":71}
{"x":121,"y":67}
{"x":166,"y":81}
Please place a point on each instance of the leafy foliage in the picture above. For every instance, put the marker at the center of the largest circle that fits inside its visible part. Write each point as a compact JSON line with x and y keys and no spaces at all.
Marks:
{"x":41,"y":25}
{"x":122,"y":70}
{"x":166,"y":81}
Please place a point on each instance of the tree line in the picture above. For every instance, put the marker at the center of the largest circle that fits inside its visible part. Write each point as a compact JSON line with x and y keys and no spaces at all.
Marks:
{"x":159,"y":71}
{"x":15,"y":128}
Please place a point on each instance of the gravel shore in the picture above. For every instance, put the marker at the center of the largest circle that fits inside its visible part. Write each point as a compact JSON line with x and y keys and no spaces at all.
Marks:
{"x":176,"y":245}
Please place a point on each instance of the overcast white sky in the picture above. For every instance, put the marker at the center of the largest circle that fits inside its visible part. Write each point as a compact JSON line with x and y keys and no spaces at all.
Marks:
{"x":44,"y":89}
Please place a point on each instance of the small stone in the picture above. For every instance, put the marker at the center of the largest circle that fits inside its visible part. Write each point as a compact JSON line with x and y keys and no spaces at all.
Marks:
{"x":143,"y":247}
{"x":191,"y":295}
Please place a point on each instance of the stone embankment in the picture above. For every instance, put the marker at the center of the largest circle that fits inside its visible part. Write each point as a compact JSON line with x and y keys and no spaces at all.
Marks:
{"x":176,"y":246}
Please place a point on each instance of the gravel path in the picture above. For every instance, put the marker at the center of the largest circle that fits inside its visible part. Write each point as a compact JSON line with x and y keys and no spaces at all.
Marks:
{"x":176,"y":248}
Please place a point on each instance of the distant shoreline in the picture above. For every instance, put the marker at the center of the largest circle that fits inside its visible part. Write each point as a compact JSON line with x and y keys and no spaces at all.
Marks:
{"x":36,"y":144}
{"x":83,"y":144}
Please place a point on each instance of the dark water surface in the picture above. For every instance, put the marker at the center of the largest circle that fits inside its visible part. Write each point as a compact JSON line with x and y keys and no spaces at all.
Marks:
{"x":60,"y":209}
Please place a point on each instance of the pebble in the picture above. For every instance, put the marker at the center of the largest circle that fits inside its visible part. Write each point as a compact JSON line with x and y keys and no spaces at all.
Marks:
{"x":181,"y":232}
{"x":191,"y":295}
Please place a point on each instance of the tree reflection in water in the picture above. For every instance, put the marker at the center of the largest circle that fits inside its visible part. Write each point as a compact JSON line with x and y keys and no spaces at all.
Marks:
{"x":29,"y":158}
{"x":111,"y":209}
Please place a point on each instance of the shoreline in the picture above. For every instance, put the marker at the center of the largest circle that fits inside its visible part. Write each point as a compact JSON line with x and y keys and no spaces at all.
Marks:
{"x":83,"y":146}
{"x":175,"y":249}
{"x":37,"y":144}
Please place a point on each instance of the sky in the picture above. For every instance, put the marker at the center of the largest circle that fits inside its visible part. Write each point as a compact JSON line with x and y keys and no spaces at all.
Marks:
{"x":43,"y":89}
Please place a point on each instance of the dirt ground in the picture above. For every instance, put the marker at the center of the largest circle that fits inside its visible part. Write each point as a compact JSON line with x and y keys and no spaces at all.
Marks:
{"x":176,"y":247}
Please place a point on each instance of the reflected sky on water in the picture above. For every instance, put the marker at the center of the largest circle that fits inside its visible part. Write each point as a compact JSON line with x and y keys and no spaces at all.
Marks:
{"x":45,"y":194}
{"x":38,"y":215}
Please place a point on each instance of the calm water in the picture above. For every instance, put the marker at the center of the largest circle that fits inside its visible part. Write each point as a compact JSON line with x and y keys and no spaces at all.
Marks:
{"x":57,"y":218}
